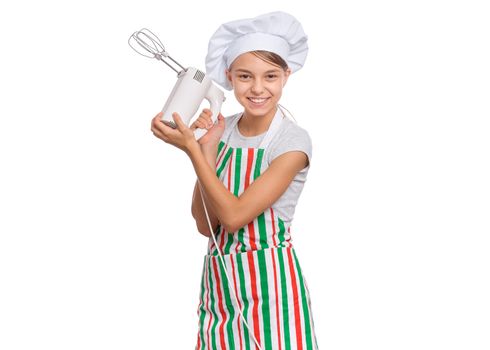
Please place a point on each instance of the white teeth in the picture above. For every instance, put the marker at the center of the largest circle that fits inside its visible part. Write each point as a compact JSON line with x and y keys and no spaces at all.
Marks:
{"x":257,"y":100}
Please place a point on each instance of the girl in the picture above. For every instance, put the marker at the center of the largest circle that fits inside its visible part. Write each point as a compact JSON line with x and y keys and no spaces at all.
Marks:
{"x":251,"y":168}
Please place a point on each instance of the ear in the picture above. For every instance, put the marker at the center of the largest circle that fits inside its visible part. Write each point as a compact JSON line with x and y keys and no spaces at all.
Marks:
{"x":228,"y":75}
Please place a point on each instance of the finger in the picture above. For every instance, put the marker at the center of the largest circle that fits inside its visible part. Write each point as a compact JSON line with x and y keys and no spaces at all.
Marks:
{"x":157,"y":124}
{"x":209,"y":120}
{"x":163,"y":128}
{"x":221,"y":120}
{"x":201,"y":123}
{"x":197,"y":124}
{"x":155,"y":119}
{"x":178,"y":121}
{"x":159,"y":134}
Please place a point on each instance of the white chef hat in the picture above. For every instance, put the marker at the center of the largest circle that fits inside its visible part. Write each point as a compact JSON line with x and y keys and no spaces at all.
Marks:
{"x":277,"y":32}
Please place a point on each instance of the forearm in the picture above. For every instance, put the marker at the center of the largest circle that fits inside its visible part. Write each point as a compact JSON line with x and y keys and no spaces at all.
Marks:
{"x":220,"y":200}
{"x":197,"y":209}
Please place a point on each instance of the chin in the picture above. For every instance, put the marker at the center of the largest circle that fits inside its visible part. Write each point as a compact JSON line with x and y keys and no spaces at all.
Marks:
{"x":258,"y":111}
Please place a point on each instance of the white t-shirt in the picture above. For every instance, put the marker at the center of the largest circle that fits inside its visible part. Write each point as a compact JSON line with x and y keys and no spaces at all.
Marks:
{"x":289,"y":137}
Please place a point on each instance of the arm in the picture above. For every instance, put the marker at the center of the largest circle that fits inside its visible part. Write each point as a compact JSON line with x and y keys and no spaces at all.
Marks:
{"x":235,"y":212}
{"x":197,"y":208}
{"x":231,"y":211}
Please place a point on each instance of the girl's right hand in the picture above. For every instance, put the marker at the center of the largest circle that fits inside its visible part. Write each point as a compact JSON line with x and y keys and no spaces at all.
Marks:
{"x":215,"y":131}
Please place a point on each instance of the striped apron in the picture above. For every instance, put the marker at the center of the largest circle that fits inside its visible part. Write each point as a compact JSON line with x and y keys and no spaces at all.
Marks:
{"x":263,"y":268}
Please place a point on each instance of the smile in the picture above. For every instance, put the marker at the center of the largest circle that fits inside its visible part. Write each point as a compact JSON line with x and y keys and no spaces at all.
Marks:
{"x":257,"y":100}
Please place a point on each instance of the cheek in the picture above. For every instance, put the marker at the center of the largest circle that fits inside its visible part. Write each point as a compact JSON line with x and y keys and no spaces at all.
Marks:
{"x":276,"y":90}
{"x":240,"y":89}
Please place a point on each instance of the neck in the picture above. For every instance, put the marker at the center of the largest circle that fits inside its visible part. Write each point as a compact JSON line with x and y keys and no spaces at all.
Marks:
{"x":252,"y":125}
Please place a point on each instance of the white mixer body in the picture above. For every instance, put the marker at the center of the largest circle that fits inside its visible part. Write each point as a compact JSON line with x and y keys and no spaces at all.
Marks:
{"x":191,"y":88}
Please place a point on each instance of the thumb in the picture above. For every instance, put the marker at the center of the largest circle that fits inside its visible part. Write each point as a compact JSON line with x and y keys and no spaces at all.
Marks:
{"x":221,"y":120}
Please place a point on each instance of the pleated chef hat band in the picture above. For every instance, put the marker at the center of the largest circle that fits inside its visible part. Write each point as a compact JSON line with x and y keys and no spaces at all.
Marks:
{"x":256,"y":41}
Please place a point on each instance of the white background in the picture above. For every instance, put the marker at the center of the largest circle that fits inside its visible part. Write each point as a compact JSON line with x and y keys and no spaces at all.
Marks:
{"x":98,"y":249}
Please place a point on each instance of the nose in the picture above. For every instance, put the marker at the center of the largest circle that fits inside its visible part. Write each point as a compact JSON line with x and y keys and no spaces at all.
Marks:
{"x":257,"y":87}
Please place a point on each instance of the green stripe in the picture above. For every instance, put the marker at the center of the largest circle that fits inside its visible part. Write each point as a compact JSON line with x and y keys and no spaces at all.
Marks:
{"x":285,"y":310}
{"x":282,"y":231}
{"x":211,"y":294}
{"x":261,"y":218}
{"x":264,"y":286}
{"x":228,"y":244}
{"x":306,"y":314}
{"x":220,"y":147}
{"x":258,"y":162}
{"x":203,"y":311}
{"x":241,"y":232}
{"x":243,"y":291}
{"x":262,"y":231}
{"x":225,"y":160}
{"x":238,"y":163}
{"x":229,"y":306}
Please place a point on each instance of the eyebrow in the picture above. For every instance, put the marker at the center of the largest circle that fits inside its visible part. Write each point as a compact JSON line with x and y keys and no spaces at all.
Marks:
{"x":247,"y":71}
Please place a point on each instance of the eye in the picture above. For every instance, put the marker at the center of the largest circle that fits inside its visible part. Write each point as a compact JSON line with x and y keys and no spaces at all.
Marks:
{"x":244,"y":76}
{"x":271,"y":76}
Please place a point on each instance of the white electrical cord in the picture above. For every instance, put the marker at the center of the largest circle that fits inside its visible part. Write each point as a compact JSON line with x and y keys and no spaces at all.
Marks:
{"x":226,"y":270}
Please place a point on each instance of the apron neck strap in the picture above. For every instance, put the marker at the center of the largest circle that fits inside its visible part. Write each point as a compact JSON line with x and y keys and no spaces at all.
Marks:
{"x":273,"y":127}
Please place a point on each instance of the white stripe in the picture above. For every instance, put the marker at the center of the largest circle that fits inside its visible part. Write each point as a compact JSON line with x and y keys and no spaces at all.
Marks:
{"x":269,"y":253}
{"x":289,"y":297}
{"x":208,"y":306}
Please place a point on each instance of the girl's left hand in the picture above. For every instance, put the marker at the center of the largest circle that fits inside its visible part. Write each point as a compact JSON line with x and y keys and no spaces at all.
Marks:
{"x":182,"y":137}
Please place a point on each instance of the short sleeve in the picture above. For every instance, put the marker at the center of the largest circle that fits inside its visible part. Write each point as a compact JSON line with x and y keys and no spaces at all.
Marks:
{"x":293,"y":138}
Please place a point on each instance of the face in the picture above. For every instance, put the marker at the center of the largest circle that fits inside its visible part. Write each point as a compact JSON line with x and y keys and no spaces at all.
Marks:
{"x":257,"y":84}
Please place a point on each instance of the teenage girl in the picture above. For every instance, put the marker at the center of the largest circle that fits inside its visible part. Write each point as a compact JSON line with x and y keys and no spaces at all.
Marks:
{"x":251,"y":169}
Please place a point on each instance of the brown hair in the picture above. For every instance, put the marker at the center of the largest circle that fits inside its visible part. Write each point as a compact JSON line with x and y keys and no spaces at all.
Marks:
{"x":272,"y":58}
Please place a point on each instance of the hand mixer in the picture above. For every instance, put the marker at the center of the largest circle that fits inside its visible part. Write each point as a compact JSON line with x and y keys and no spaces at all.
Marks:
{"x":191,"y":88}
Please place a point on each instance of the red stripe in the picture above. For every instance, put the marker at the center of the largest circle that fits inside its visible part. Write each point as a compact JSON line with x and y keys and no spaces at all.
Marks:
{"x":238,"y":244}
{"x":220,"y":305}
{"x":275,"y":279}
{"x":255,"y":298}
{"x":238,"y":320}
{"x":251,"y":233}
{"x":207,"y":301}
{"x":222,"y":243}
{"x":250,"y":158}
{"x":221,"y":155}
{"x":297,"y":318}
{"x":229,"y":169}
{"x":229,"y":179}
{"x":273,"y":228}
{"x":251,"y":229}
{"x":198,"y":341}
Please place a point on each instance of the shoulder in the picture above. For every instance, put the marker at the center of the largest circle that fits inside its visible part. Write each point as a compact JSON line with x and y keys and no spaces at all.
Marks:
{"x":290,"y":137}
{"x":291,"y":129}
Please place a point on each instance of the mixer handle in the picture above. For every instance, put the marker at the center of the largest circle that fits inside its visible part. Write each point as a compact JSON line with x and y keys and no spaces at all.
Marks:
{"x":216,"y":97}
